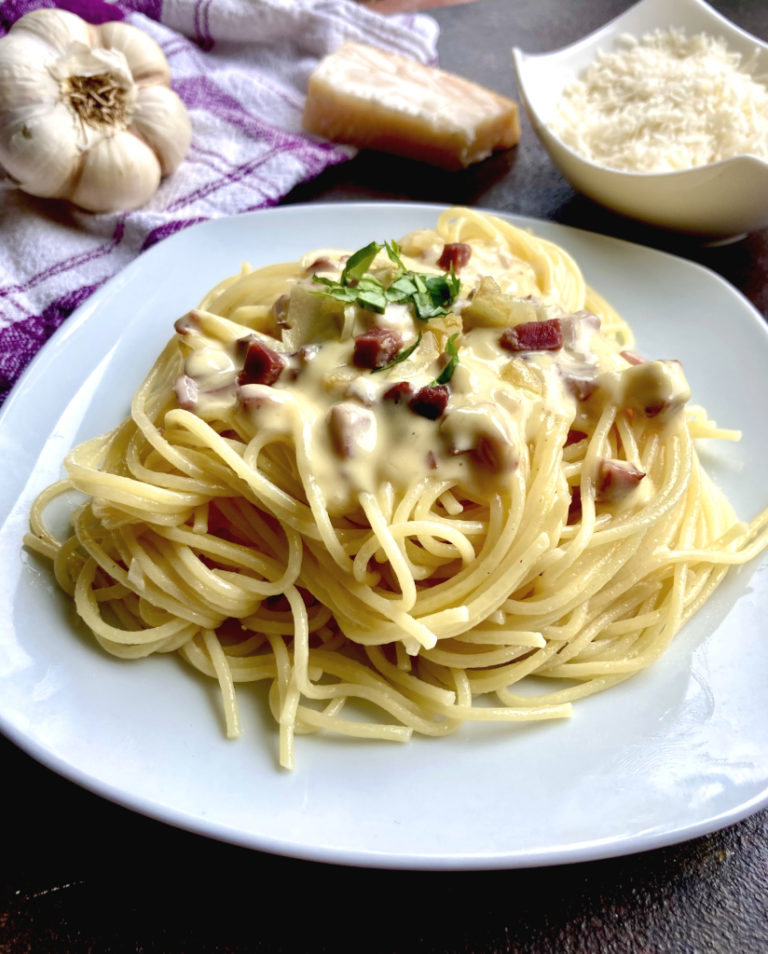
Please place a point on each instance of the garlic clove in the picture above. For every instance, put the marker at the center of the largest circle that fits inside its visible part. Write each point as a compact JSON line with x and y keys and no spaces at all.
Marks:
{"x":39,"y":148}
{"x":119,"y":172}
{"x":145,"y":59}
{"x":24,"y":82}
{"x":161,"y":120}
{"x":56,"y":28}
{"x":20,"y":46}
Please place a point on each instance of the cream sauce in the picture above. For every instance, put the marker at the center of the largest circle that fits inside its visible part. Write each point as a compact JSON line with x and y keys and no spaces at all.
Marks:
{"x":356,"y":439}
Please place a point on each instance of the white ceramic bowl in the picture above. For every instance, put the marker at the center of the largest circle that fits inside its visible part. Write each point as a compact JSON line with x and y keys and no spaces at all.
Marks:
{"x":720,"y":200}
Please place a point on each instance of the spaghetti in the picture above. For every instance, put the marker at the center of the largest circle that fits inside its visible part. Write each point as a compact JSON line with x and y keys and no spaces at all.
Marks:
{"x":425,"y":484}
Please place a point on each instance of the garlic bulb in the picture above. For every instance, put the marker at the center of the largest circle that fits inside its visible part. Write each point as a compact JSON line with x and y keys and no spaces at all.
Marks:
{"x":86,"y":112}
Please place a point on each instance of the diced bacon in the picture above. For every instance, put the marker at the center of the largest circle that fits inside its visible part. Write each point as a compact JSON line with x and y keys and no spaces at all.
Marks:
{"x":262,"y":365}
{"x":186,"y":392}
{"x":457,"y":254}
{"x":616,"y":479}
{"x":376,"y":347}
{"x":187,"y":323}
{"x":632,"y":358}
{"x":352,"y":429}
{"x":430,"y":401}
{"x":574,"y":437}
{"x":321,"y":264}
{"x":574,"y":507}
{"x":533,"y":336}
{"x":398,"y":393}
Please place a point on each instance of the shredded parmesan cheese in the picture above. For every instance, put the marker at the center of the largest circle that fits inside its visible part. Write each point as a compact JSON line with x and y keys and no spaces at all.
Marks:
{"x":665,"y":101}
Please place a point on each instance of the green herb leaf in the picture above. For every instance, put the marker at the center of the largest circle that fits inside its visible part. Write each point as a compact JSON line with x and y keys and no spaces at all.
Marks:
{"x":450,"y":349}
{"x":443,"y":288}
{"x":401,"y":289}
{"x":335,"y":290}
{"x":435,"y":294}
{"x":428,"y":295}
{"x":400,"y":356}
{"x":359,"y":262}
{"x":394,"y":250}
{"x":370,"y":294}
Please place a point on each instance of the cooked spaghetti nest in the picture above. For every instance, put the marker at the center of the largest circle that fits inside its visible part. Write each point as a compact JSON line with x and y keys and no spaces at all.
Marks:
{"x":395,"y":518}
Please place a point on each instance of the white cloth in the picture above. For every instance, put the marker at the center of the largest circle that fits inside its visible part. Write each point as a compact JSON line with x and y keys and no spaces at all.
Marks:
{"x":242,"y":67}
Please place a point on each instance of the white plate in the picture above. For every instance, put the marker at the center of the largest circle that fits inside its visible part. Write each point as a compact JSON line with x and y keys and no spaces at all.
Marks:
{"x":678,"y":751}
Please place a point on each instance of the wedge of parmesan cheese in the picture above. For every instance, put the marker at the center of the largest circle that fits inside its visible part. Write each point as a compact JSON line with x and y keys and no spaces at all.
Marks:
{"x":377,"y":100}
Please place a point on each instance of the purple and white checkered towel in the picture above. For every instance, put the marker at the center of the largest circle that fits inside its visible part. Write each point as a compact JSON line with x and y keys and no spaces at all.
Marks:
{"x":241,"y":66}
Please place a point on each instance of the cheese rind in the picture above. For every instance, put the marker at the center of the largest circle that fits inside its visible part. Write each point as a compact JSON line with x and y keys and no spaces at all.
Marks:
{"x":378,"y":100}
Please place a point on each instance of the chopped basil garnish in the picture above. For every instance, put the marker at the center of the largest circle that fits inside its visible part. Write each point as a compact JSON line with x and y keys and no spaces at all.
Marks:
{"x":450,"y":349}
{"x":336,"y":289}
{"x":359,"y":262}
{"x":428,"y":295}
{"x":371,"y":295}
{"x":400,"y":356}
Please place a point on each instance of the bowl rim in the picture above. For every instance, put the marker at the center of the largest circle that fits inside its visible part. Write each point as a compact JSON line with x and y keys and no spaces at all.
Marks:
{"x":613,"y":29}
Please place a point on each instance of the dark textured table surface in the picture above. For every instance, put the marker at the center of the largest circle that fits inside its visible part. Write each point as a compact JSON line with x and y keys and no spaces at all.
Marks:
{"x":80,"y":874}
